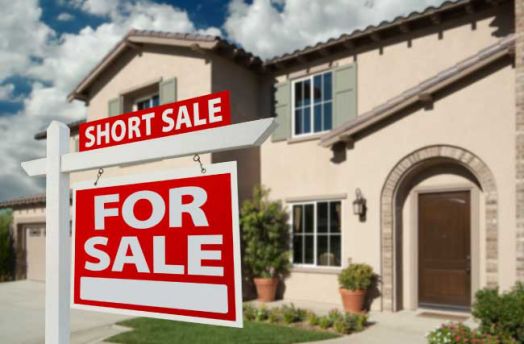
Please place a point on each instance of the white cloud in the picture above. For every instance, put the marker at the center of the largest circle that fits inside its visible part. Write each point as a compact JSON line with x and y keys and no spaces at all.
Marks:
{"x":264,"y":30}
{"x":23,"y":36}
{"x":64,"y":16}
{"x":6,"y":93}
{"x":61,"y":61}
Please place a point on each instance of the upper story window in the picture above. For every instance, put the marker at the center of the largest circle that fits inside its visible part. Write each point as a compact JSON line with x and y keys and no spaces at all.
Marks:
{"x":316,"y":238}
{"x":313,"y":104}
{"x":146,"y":103}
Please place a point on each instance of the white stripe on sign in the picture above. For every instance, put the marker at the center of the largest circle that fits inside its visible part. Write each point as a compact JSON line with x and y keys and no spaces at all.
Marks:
{"x":180,"y":295}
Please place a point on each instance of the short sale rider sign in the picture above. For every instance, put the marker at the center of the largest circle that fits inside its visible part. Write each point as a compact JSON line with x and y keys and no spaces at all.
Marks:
{"x":163,"y":245}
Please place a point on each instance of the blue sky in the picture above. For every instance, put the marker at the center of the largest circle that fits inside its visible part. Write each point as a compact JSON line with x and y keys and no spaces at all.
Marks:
{"x":47,"y":46}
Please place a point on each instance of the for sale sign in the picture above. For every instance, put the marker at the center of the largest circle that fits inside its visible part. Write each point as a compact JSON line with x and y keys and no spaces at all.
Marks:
{"x":162,"y":245}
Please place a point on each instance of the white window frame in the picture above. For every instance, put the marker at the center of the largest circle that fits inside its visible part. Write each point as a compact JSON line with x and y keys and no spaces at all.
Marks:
{"x":312,"y":117}
{"x":141,"y":99}
{"x":315,"y":234}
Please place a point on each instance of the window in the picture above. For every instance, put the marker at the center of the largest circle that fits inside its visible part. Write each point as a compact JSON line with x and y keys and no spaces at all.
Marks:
{"x":316,"y":237}
{"x":313,"y":104}
{"x":146,"y":103}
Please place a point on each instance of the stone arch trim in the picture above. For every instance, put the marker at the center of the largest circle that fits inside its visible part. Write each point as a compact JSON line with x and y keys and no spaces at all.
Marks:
{"x":389,"y":191}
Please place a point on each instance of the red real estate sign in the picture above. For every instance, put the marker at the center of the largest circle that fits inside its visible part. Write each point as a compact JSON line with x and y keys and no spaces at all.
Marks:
{"x":205,"y":112}
{"x":160,"y":245}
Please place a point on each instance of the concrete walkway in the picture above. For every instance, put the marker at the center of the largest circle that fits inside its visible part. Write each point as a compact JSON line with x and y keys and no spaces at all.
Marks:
{"x":22,"y":317}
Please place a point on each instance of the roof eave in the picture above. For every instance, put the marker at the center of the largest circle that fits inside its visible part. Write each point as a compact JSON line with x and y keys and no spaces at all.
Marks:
{"x":350,"y":129}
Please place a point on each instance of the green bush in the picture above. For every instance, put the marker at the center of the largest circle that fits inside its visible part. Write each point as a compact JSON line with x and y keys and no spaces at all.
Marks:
{"x":349,"y":323}
{"x":360,"y":322}
{"x":356,"y":277}
{"x":275,"y":315}
{"x":325,"y":322}
{"x":265,"y":236}
{"x":250,"y":311}
{"x":291,"y":314}
{"x":312,"y":319}
{"x":261,"y":314}
{"x":7,"y":253}
{"x":462,"y":334}
{"x":501,"y":314}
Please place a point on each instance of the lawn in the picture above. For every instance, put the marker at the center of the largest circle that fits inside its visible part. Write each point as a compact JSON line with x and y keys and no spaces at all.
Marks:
{"x":153,"y":331}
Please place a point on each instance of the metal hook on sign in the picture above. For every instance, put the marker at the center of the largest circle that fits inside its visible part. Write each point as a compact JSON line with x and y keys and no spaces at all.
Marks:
{"x":98,"y":175}
{"x":196,"y":158}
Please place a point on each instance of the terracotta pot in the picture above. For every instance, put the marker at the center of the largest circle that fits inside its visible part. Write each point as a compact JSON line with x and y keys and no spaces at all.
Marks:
{"x":266,"y":288}
{"x":353,"y":300}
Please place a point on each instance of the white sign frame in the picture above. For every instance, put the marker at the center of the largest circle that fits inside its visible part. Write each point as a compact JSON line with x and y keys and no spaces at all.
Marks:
{"x":59,"y":163}
{"x":214,"y":169}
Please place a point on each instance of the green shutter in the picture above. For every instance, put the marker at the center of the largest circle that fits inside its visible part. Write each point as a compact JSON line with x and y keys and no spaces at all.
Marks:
{"x":115,"y":106}
{"x":344,"y":94}
{"x":282,"y":111}
{"x":167,"y":91}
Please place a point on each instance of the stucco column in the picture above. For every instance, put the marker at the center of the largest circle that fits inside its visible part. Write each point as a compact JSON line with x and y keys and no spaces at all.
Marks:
{"x":519,"y":95}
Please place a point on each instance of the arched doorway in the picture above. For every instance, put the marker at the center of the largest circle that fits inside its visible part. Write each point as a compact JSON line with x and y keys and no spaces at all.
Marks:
{"x":409,"y":171}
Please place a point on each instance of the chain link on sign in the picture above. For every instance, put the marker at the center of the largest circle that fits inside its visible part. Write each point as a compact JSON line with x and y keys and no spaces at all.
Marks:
{"x":196,"y":158}
{"x":98,"y":175}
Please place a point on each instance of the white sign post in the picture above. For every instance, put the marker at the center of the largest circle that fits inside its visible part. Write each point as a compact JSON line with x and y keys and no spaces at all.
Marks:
{"x":59,"y":163}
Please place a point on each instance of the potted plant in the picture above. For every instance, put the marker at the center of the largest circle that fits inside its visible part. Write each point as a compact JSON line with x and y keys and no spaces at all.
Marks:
{"x":354,"y":282}
{"x":265,"y":236}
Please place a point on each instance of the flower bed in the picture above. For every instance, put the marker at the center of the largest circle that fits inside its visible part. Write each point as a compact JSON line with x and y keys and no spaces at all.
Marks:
{"x":335,"y":321}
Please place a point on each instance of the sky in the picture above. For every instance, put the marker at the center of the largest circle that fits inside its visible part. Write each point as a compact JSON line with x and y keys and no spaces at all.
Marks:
{"x":48,"y":46}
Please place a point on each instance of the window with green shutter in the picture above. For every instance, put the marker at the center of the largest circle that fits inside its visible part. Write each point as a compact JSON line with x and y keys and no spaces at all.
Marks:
{"x":345,"y":94}
{"x":168,"y":91}
{"x":282,"y":111}
{"x":313,"y":104}
{"x":115,"y":106}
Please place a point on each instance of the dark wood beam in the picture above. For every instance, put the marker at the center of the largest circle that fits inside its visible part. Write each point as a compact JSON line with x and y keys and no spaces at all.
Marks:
{"x":137,"y":48}
{"x":348,"y":44}
{"x":425,"y":98}
{"x":404,"y":27}
{"x":375,"y":37}
{"x":470,"y":8}
{"x":435,"y":18}
{"x":323,"y":52}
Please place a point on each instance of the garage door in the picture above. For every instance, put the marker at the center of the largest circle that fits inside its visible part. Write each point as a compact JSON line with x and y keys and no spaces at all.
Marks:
{"x":35,"y":234}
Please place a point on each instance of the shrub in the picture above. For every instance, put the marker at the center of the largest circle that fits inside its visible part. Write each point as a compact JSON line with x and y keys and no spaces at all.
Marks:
{"x":325,"y":322}
{"x":501,"y":315}
{"x":291,"y":314}
{"x":360,"y":322}
{"x":335,"y":315}
{"x":348,"y":323}
{"x":250,"y":311}
{"x":312,"y":319}
{"x":261,"y":314}
{"x":7,"y":253}
{"x":265,"y":235}
{"x":356,"y":277}
{"x":275,"y":315}
{"x":462,"y":334}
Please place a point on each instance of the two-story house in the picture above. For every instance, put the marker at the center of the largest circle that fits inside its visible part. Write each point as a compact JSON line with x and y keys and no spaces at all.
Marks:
{"x":400,"y":145}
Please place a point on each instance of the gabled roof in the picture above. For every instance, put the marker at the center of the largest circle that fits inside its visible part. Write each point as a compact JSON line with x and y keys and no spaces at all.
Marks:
{"x":135,"y":39}
{"x":421,"y":92}
{"x":73,"y":127}
{"x":372,"y":34}
{"x":23,"y":201}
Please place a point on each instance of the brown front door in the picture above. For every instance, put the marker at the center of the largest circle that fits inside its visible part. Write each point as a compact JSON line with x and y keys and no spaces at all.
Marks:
{"x":444,"y":249}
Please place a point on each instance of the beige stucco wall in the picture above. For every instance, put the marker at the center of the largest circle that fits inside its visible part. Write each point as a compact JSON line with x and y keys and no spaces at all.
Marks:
{"x":197,"y":74}
{"x":477,"y":116}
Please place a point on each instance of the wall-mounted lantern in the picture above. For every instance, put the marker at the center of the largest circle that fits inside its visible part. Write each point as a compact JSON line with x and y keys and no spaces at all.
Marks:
{"x":359,"y":204}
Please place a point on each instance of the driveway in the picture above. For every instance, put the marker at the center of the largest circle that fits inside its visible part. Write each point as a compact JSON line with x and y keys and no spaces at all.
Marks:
{"x":22,"y":317}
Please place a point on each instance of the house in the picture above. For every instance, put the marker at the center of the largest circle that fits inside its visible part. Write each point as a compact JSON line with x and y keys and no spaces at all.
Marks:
{"x":400,"y":145}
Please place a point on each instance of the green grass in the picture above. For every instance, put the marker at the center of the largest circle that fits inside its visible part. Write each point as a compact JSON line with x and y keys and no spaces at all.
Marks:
{"x":153,"y":331}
